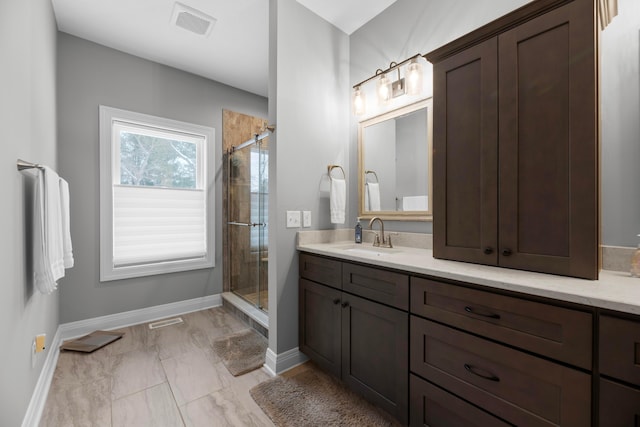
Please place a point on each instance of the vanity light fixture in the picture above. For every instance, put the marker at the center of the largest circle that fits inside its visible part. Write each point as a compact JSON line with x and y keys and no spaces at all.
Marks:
{"x":386,"y":89}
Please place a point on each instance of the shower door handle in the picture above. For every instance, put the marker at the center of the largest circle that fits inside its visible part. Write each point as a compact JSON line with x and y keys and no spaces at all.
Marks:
{"x":246,"y":224}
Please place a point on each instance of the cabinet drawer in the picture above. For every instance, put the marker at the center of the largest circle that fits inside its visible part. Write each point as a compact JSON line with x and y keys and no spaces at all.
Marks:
{"x":620,"y":348}
{"x":431,"y":406}
{"x":378,"y":285}
{"x":321,"y":270}
{"x":556,"y":332}
{"x":515,"y":386}
{"x":619,"y":405}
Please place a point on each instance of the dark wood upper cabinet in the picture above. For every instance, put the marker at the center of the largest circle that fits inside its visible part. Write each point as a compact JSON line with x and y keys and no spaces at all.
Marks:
{"x":516,"y":142}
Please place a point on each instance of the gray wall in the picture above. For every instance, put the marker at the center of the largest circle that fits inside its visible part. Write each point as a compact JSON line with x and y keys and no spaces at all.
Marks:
{"x":404,"y":29}
{"x":89,"y":75}
{"x":620,"y":113}
{"x":309,"y":100}
{"x":28,"y":123}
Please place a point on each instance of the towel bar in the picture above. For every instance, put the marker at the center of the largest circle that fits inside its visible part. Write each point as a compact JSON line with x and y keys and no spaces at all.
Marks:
{"x":23,"y":165}
{"x":332,"y":167}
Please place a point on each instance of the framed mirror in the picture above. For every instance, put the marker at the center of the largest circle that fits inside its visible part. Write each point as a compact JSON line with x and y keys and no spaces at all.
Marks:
{"x":394,"y":164}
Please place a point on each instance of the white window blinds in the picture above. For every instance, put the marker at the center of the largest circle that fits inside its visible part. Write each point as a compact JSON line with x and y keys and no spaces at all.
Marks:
{"x":157,"y":225}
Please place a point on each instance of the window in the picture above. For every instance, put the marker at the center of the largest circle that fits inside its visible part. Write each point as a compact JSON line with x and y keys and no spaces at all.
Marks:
{"x":154,"y":187}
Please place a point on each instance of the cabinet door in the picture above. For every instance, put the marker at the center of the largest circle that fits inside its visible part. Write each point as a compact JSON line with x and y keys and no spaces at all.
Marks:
{"x":465,"y":135}
{"x":375,"y":353}
{"x":548,"y":143}
{"x":432,"y":406}
{"x":619,"y":405}
{"x":319,"y":324}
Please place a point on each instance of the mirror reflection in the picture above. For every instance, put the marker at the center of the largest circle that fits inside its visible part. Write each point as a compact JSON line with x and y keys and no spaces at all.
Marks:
{"x":395,"y":164}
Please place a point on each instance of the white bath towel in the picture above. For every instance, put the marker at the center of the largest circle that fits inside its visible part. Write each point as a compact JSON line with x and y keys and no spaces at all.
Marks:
{"x":67,"y":247}
{"x":338,"y":200}
{"x":48,"y":251}
{"x":373,"y":195}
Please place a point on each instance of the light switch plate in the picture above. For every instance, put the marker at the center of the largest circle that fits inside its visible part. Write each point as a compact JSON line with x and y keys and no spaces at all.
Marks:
{"x":306,"y":218}
{"x":293,"y":219}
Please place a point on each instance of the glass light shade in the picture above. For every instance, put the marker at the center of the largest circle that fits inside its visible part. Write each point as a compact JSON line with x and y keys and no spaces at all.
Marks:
{"x":414,"y":78}
{"x":359,"y":102}
{"x":384,"y":90}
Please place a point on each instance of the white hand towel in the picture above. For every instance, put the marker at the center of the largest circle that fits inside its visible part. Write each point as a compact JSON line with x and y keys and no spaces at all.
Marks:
{"x":48,"y":243}
{"x":415,"y":203}
{"x":66,"y":224}
{"x":373,"y":191}
{"x":338,"y":200}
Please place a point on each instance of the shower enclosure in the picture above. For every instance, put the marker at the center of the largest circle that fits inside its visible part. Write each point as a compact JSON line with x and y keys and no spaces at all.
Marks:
{"x":247,"y":213}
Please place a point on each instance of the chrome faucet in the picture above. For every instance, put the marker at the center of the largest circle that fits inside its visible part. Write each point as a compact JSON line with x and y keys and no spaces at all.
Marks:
{"x":386,"y":241}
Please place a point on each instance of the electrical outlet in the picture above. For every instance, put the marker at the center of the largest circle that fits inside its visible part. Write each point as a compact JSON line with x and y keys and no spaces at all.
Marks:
{"x":293,"y":219}
{"x":306,"y":218}
{"x":40,"y":342}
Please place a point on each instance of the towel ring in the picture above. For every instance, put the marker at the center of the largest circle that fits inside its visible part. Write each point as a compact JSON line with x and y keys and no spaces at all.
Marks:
{"x":372,"y":172}
{"x":332,"y":167}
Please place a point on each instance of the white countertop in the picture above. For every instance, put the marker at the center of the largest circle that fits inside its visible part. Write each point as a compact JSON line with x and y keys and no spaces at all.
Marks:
{"x":614,"y":290}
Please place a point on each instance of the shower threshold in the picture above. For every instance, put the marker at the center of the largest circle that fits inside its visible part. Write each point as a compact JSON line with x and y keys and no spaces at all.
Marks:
{"x":254,"y":313}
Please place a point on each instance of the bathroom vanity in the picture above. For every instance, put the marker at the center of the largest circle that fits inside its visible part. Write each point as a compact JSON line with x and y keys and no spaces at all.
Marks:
{"x":441,"y":343}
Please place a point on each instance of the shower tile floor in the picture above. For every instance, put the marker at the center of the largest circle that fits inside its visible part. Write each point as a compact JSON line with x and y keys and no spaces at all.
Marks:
{"x":163,"y":377}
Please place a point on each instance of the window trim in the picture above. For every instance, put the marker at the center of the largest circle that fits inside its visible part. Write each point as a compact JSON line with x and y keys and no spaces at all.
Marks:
{"x":108,"y":272}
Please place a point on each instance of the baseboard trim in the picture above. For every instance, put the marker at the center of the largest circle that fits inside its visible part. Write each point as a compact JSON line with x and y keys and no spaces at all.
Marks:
{"x":71,"y":330}
{"x":40,"y":392}
{"x":135,"y":317}
{"x":276,"y":364}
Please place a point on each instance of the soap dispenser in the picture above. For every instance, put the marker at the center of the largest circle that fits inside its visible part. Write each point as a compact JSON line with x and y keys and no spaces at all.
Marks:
{"x":358,"y":236}
{"x":635,"y":262}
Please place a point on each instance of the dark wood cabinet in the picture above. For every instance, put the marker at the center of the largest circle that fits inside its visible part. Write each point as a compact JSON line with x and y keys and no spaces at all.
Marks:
{"x":515,"y":386}
{"x":320,"y":325}
{"x":516,"y":140}
{"x":620,"y":362}
{"x":432,"y":406}
{"x":375,"y":353}
{"x":363,"y":342}
{"x":557,"y":332}
{"x":619,"y":405}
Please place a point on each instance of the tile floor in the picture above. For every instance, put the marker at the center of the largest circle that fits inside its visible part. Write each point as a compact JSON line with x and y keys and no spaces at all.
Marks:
{"x":163,"y":377}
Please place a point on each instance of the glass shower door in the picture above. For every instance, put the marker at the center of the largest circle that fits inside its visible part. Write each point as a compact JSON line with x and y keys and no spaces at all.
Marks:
{"x":248,"y":195}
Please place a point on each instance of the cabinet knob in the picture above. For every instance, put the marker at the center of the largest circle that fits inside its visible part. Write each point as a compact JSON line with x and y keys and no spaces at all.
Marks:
{"x":488,"y":250}
{"x":345,"y":304}
{"x":506,"y":252}
{"x":336,"y":301}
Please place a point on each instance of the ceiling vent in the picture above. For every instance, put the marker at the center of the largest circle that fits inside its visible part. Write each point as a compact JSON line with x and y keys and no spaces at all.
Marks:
{"x":192,"y":20}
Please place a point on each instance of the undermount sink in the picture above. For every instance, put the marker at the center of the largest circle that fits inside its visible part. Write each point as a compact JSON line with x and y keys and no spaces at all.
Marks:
{"x":364,"y":249}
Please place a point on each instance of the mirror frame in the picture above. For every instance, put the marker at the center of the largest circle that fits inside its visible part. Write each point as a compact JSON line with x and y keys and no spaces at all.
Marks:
{"x":397,"y":215}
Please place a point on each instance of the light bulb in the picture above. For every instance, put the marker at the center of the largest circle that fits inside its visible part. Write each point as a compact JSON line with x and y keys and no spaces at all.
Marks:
{"x":358,"y":102}
{"x":384,"y":89}
{"x":414,"y":77}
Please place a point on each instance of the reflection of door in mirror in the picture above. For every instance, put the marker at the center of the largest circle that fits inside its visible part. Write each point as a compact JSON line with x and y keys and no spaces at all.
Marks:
{"x":395,"y":164}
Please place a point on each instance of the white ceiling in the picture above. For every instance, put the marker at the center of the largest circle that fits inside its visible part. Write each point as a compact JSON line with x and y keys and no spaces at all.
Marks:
{"x":348,"y":15}
{"x":236,"y":51}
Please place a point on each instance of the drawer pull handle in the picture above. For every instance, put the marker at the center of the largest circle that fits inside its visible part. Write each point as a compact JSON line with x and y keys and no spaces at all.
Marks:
{"x":345,"y":304}
{"x":336,"y":301}
{"x":507,"y":252}
{"x":488,"y":250}
{"x":489,"y":315}
{"x":487,"y":376}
